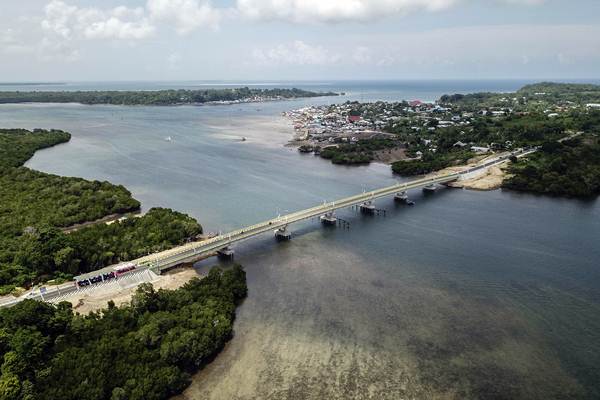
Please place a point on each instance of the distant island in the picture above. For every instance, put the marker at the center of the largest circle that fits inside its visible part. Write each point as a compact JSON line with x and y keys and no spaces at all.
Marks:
{"x":159,"y":97}
{"x":418,"y":137}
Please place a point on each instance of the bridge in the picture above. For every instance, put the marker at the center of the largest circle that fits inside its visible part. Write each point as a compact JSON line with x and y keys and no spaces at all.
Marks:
{"x":194,"y":251}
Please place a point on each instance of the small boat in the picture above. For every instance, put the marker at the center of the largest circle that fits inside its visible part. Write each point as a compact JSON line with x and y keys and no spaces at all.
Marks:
{"x":410,"y":203}
{"x":244,"y":138}
{"x":169,"y":139}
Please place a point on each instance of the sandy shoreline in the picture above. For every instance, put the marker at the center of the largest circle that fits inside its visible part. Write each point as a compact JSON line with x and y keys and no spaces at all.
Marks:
{"x":488,"y":179}
{"x":89,"y":302}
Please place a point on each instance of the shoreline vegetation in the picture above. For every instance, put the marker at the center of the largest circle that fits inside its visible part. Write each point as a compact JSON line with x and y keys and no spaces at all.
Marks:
{"x":145,"y":350}
{"x":419,"y":138}
{"x":35,"y":207}
{"x":160,"y":97}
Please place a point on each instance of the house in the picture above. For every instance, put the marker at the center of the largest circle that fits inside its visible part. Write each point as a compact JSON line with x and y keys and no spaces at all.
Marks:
{"x":415,"y":103}
{"x":593,"y":105}
{"x":477,"y":149}
{"x":459,"y":144}
{"x":353,"y":118}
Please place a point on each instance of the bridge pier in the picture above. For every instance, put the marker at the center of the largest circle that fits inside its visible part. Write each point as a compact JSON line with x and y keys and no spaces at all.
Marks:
{"x":282,"y":234}
{"x":431,"y":188}
{"x":402,"y":197}
{"x":329,"y":218}
{"x":226,"y":254}
{"x":367,"y":207}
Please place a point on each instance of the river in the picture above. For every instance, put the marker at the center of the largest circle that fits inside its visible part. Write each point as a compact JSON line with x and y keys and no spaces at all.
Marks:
{"x":465,"y":295}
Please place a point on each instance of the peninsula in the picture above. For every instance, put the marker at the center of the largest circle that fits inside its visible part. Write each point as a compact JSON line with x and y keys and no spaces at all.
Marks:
{"x":160,"y":97}
{"x":34,"y":206}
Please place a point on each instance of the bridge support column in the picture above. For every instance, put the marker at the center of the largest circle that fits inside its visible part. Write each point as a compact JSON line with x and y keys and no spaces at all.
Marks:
{"x":367,"y":207}
{"x":328,"y":219}
{"x":402,"y":197}
{"x":282,"y":234}
{"x":226,"y":254}
{"x":431,"y":188}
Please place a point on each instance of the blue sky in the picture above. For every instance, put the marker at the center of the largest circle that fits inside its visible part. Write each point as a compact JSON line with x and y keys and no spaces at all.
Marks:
{"x":95,"y":40}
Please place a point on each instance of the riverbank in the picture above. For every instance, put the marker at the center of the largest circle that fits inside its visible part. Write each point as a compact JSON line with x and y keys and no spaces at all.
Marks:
{"x":490,"y":178}
{"x":54,"y":227}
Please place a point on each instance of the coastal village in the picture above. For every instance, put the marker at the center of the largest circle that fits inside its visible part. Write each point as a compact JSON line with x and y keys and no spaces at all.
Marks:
{"x":321,"y":127}
{"x":324,"y":127}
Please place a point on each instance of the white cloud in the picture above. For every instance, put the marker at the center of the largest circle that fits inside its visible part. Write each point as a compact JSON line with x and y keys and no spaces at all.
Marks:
{"x":323,"y":11}
{"x":69,"y":21}
{"x":185,"y":15}
{"x":303,"y":11}
{"x":296,"y":53}
{"x":72,"y":22}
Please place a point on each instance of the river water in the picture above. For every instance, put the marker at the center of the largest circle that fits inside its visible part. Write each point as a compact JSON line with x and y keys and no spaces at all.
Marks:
{"x":467,"y":294}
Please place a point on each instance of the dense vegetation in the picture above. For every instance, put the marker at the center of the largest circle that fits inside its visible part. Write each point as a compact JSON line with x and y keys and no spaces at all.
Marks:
{"x":18,"y":145}
{"x":571,"y":168}
{"x":29,"y":198}
{"x":362,"y":152}
{"x":33,"y":205}
{"x":430,"y":162}
{"x":144,"y":351}
{"x":580,"y":93}
{"x":499,"y":133}
{"x":159,"y":229}
{"x":157,"y":98}
{"x":46,"y":252}
{"x":529,"y":98}
{"x":518,"y":130}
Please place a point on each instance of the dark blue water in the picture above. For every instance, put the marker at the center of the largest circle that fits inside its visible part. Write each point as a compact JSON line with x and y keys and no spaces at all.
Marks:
{"x":466,"y":295}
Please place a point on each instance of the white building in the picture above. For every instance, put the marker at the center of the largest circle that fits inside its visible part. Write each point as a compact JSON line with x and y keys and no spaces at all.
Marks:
{"x":477,"y":149}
